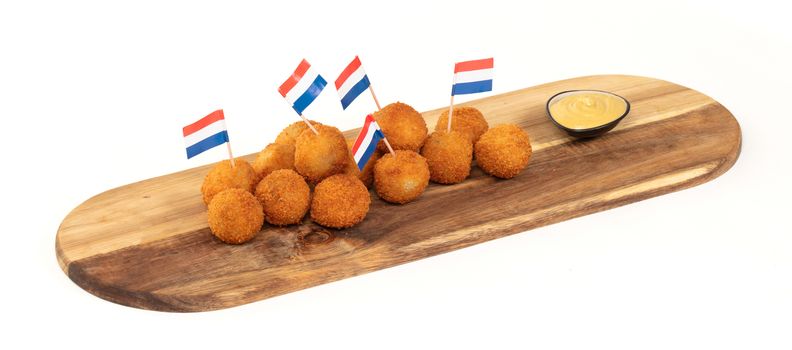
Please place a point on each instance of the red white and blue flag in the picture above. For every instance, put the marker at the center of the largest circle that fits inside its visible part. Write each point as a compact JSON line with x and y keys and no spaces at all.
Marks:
{"x":366,"y":142}
{"x":302,"y":87}
{"x":208,"y":132}
{"x":352,"y":82}
{"x":471,"y":77}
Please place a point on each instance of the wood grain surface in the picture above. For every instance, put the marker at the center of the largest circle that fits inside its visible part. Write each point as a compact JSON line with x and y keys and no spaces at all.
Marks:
{"x":147,"y":244}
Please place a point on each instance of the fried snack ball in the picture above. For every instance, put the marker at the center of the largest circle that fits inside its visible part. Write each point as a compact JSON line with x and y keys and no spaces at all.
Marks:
{"x":319,"y":156}
{"x":404,"y":127}
{"x":503,"y":151}
{"x":449,"y":156}
{"x":223,"y":176}
{"x":340,"y":201}
{"x":273,"y":157}
{"x":468,"y":120}
{"x":235,"y":216}
{"x":285,"y":197}
{"x":288,"y":136}
{"x":367,"y":174}
{"x":402,"y":178}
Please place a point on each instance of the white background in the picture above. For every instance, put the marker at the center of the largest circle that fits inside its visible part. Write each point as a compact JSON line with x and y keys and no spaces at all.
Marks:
{"x":93,"y":95}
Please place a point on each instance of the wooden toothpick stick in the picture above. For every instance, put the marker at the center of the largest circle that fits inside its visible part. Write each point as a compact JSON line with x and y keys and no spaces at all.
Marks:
{"x":309,"y":125}
{"x":230,"y":155}
{"x":375,"y":97}
{"x":392,"y":152}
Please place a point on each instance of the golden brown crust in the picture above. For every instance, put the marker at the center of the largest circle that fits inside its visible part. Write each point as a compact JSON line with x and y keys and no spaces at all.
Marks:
{"x":340,"y":201}
{"x":273,"y":157}
{"x":404,"y":127}
{"x":449,"y":156}
{"x":367,"y":174}
{"x":235,"y":216}
{"x":223,"y":176}
{"x":401,"y":179}
{"x":319,"y":156}
{"x":467,"y":120}
{"x":503,"y":151}
{"x":285,"y":197}
{"x":288,"y":136}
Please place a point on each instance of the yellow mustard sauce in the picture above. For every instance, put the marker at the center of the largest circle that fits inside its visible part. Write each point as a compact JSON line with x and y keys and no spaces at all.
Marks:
{"x":585,"y":110}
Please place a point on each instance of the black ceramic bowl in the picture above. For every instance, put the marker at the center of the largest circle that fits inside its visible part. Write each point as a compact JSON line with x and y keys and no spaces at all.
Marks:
{"x":590,"y":132}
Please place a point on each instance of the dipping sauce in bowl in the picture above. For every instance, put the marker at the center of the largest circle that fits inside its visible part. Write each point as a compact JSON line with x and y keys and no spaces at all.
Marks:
{"x":587,"y":113}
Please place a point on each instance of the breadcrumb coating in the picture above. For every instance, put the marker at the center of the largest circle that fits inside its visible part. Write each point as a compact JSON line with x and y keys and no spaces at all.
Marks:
{"x":223,"y":176}
{"x":449,"y":156}
{"x":288,"y":136}
{"x":235,"y":216}
{"x":467,"y":120}
{"x":285,"y":196}
{"x":319,"y":156}
{"x":274,"y":157}
{"x":340,"y":201}
{"x":503,"y":151}
{"x":404,"y":127}
{"x":402,"y":178}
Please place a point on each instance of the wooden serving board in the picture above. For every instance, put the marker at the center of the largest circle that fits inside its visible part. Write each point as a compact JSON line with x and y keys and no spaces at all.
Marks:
{"x":147,"y":244}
